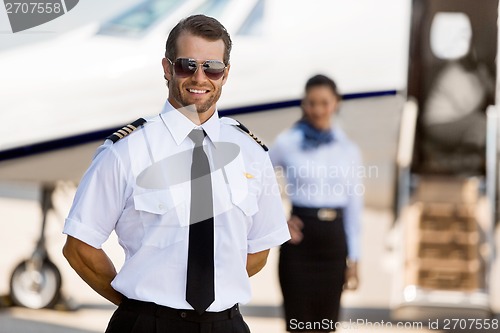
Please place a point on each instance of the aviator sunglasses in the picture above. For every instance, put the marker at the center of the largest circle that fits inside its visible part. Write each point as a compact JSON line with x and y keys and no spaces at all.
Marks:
{"x":184,"y":67}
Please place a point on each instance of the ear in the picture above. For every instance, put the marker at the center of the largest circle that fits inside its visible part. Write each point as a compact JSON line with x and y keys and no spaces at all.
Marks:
{"x":226,"y":73}
{"x":167,"y":69}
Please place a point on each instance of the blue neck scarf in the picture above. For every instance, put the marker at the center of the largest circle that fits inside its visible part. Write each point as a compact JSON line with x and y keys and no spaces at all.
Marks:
{"x":312,"y":137}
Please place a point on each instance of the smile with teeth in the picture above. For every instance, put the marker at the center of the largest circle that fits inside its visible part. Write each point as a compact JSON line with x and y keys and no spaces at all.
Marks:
{"x":197,"y":91}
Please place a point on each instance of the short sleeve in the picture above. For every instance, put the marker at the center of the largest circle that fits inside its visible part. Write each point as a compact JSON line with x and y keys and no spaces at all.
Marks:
{"x":354,"y":207}
{"x":99,"y":199}
{"x":269,"y":227}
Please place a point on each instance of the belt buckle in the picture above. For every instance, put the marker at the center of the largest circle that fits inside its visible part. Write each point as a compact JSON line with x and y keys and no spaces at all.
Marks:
{"x":327,"y":214}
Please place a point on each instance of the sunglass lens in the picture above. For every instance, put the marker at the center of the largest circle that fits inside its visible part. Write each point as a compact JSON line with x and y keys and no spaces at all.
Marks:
{"x":184,"y":67}
{"x":214,"y":69}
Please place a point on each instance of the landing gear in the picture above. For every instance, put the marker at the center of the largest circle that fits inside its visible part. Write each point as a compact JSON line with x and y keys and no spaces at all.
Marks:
{"x":35,"y":285}
{"x":36,"y":282}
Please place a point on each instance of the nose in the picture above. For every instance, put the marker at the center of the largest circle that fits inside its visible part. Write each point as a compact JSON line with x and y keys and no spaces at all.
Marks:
{"x":199,"y":74}
{"x":312,"y":110}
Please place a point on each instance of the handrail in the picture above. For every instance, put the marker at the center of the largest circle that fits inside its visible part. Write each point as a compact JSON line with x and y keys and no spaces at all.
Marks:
{"x":492,"y":123}
{"x":407,"y":133}
{"x":404,"y":156}
{"x":492,"y":119}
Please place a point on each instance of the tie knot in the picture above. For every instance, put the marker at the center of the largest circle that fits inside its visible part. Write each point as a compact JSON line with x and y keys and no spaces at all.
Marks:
{"x":197,"y":136}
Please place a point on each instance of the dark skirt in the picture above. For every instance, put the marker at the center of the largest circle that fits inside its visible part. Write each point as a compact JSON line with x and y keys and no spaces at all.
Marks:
{"x":312,"y":275}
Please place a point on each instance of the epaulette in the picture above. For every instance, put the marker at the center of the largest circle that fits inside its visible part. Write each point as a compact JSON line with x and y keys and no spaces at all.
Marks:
{"x":126,"y":130}
{"x":247,"y":131}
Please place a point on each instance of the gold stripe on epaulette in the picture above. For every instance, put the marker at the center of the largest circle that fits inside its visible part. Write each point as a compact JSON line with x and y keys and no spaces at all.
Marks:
{"x":126,"y":130}
{"x":124,"y":133}
{"x":253,"y":136}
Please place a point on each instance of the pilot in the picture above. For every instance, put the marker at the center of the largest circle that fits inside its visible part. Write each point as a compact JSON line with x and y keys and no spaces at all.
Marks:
{"x":322,"y":170}
{"x":191,"y":196}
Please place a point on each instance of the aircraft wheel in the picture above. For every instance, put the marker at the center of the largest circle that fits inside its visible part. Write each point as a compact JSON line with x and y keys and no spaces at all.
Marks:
{"x":33,"y":287}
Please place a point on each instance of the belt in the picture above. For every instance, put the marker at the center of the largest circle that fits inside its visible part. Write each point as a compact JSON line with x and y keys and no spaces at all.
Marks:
{"x":322,"y":214}
{"x":154,"y":309}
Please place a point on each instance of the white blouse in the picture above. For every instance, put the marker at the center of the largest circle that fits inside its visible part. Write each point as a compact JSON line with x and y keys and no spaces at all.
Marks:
{"x":329,"y":176}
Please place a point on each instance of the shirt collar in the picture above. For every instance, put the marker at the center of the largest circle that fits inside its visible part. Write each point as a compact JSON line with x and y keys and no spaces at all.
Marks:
{"x":180,"y":126}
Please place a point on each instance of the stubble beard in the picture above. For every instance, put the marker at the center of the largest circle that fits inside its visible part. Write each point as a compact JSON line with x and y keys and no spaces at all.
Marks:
{"x":199,"y":107}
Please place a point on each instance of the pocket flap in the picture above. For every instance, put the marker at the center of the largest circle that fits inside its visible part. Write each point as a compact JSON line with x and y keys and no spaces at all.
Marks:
{"x":248,"y":205}
{"x":158,"y":201}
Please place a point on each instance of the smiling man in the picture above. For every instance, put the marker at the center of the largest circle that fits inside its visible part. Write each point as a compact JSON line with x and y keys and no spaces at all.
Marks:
{"x":192,"y":197}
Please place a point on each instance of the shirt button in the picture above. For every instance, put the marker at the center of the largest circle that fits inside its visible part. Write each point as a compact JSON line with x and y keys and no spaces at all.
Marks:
{"x":183,"y":314}
{"x":160,"y":206}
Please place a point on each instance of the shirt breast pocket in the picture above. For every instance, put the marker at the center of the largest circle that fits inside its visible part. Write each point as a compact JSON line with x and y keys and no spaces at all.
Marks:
{"x":248,"y":205}
{"x":163,"y":215}
{"x":243,"y":187}
{"x":240,"y":217}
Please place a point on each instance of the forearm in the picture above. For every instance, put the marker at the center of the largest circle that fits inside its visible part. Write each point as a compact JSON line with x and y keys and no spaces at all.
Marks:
{"x":93,"y":266}
{"x":256,"y":261}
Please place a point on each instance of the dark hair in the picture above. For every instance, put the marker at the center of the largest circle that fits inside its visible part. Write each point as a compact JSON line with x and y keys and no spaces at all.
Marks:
{"x":322,"y":80}
{"x":201,"y":26}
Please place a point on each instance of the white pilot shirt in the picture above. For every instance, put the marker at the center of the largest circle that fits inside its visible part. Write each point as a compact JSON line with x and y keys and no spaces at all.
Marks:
{"x":328,"y":176}
{"x":140,"y":187}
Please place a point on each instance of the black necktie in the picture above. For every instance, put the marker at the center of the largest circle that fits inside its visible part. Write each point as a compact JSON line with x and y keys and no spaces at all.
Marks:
{"x":200,"y":269}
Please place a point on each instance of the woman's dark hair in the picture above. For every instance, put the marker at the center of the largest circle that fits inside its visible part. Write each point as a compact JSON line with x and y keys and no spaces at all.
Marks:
{"x":201,"y":26}
{"x":323,"y":81}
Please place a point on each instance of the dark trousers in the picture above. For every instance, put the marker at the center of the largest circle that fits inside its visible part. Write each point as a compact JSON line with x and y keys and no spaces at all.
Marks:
{"x":312,"y":272}
{"x":134,"y":316}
